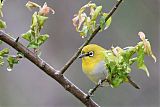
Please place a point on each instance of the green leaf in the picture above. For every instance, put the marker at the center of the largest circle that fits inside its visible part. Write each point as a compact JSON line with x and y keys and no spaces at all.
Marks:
{"x":2,"y":24}
{"x":33,"y":45}
{"x":96,"y":13}
{"x":38,"y":42}
{"x":108,"y":22}
{"x":34,"y":21}
{"x":27,"y":36}
{"x":128,"y":53}
{"x":20,"y":54}
{"x":140,"y":60}
{"x":117,"y":81}
{"x":11,"y":61}
{"x":41,"y":20}
{"x":4,"y":52}
{"x":84,"y":31}
{"x":102,"y":22}
{"x":104,"y":25}
{"x":91,"y":27}
{"x":42,"y":38}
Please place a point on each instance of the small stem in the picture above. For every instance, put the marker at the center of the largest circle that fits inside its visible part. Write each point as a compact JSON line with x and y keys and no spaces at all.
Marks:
{"x":132,"y":83}
{"x":74,"y":57}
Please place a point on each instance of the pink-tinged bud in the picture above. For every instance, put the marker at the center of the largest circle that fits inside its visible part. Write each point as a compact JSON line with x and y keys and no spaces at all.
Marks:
{"x":142,"y":35}
{"x":45,"y":10}
{"x":147,"y":46}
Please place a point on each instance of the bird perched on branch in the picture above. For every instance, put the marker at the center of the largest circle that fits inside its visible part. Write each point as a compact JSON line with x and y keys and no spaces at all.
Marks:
{"x":93,"y":64}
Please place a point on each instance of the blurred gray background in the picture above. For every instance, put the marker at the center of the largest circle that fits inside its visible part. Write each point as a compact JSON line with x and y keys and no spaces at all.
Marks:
{"x":28,"y":86}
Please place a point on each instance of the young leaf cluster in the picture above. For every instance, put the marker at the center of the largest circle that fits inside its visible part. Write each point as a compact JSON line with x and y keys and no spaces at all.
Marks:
{"x":118,"y":61}
{"x":88,"y":23}
{"x":11,"y":59}
{"x":33,"y":36}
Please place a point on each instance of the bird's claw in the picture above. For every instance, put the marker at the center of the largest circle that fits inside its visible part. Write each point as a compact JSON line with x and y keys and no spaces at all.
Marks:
{"x":100,"y":83}
{"x":90,"y":93}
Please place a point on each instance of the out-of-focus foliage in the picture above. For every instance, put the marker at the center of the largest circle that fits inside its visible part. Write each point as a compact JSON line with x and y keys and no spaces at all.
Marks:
{"x":3,"y":53}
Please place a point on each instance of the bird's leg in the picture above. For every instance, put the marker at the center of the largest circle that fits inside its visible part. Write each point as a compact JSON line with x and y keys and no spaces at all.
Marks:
{"x":91,"y":91}
{"x":100,"y":83}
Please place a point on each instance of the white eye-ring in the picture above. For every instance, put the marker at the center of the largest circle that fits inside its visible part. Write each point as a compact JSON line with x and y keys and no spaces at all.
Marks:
{"x":91,"y":53}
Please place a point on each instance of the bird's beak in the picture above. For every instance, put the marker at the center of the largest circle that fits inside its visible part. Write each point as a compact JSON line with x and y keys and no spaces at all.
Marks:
{"x":83,"y":55}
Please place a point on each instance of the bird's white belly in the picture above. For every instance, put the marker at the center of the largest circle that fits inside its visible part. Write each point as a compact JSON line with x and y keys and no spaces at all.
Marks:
{"x":99,"y":73}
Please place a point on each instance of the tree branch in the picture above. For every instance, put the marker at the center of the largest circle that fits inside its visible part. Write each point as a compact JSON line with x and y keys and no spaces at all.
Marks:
{"x":73,"y":58}
{"x":68,"y":85}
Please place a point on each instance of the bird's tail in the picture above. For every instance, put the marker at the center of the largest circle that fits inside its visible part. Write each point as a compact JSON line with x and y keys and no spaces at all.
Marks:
{"x":132,"y":83}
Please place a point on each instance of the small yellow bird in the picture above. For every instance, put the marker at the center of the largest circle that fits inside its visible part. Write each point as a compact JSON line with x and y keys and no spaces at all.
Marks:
{"x":93,"y":63}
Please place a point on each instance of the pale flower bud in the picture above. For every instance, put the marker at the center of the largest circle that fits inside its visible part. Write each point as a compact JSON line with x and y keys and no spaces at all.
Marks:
{"x":45,"y":10}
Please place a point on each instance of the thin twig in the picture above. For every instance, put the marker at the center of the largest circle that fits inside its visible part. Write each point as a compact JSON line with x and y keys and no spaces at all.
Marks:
{"x":62,"y":80}
{"x":73,"y":58}
{"x":132,"y":83}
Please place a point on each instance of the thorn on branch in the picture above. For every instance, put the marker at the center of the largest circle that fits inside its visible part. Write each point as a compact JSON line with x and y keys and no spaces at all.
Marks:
{"x":17,"y":39}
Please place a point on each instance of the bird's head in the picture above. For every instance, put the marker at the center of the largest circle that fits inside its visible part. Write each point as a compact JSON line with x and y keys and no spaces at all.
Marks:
{"x":92,"y":53}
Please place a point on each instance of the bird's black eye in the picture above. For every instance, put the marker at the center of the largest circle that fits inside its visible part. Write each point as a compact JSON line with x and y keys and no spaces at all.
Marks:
{"x":91,"y":53}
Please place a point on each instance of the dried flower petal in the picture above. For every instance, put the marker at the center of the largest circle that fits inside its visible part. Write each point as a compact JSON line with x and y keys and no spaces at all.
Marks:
{"x":75,"y":19}
{"x":80,"y":18}
{"x":91,"y":11}
{"x":89,"y":4}
{"x":117,"y":50}
{"x":30,"y":5}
